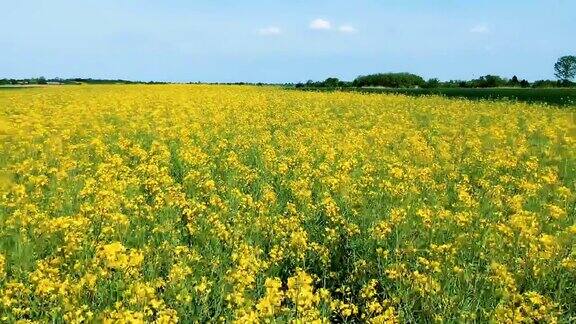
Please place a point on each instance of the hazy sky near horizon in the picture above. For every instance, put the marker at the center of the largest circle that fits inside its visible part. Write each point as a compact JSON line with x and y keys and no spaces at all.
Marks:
{"x":283,"y":41}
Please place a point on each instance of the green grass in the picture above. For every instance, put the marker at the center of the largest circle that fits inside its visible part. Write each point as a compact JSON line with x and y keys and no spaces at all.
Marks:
{"x":9,"y":87}
{"x":555,"y":96}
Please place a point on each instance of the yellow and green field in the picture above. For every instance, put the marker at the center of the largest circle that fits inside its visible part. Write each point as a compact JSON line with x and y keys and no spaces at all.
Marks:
{"x":254,"y":204}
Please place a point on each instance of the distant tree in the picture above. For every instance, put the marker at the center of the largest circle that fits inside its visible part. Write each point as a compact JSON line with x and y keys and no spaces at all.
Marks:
{"x":331,"y":82}
{"x":514,"y":82}
{"x":565,"y":68}
{"x":464,"y":84}
{"x":524,"y":83}
{"x":344,"y":84}
{"x":432,"y":83}
{"x":488,"y":81}
{"x":546,"y":84}
{"x":493,"y":81}
{"x":41,"y":80}
{"x":390,"y":80}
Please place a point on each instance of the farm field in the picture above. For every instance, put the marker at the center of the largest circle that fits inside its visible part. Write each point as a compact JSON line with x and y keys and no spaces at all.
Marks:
{"x":8,"y":88}
{"x":194,"y":203}
{"x":552,"y":96}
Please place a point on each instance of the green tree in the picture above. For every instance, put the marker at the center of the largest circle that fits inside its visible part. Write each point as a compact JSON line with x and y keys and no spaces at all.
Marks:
{"x":432,"y":83}
{"x":489,"y":81}
{"x":390,"y":80}
{"x":514,"y":81}
{"x":565,"y":68}
{"x":331,"y":82}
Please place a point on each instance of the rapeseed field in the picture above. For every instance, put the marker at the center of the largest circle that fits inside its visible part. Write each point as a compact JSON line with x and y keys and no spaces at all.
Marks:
{"x":193,"y":203}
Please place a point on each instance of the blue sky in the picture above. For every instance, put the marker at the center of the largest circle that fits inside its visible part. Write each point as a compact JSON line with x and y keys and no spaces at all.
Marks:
{"x":283,"y":41}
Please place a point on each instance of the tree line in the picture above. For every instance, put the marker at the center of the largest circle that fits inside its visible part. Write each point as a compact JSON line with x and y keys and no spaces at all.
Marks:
{"x":43,"y":80}
{"x":409,"y":80}
{"x":565,"y":72}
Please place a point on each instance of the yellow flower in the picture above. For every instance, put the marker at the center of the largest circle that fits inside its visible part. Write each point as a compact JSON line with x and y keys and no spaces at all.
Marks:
{"x":556,"y":212}
{"x":269,"y":305}
{"x":204,"y":203}
{"x":301,"y":293}
{"x":2,"y":266}
{"x":116,"y":256}
{"x":178,"y":273}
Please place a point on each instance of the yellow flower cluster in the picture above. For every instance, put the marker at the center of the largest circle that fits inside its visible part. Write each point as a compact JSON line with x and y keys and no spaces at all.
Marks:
{"x":269,"y":305}
{"x":115,"y":256}
{"x":2,"y":266}
{"x":197,"y":203}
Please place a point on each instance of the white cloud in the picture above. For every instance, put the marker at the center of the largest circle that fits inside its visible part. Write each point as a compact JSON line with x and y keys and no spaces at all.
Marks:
{"x":480,"y":29}
{"x":320,"y":24}
{"x":269,"y":31}
{"x":347,"y":29}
